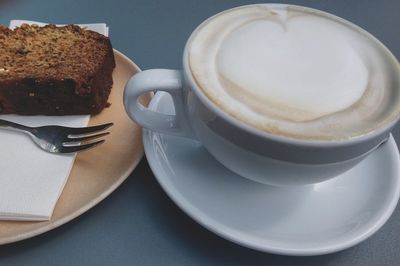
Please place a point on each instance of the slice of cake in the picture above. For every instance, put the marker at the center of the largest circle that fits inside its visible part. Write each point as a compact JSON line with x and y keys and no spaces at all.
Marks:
{"x":54,"y":70}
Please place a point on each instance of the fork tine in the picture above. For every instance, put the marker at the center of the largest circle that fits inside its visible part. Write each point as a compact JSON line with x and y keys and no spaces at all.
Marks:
{"x":88,"y":130}
{"x":72,"y":149}
{"x":73,"y":139}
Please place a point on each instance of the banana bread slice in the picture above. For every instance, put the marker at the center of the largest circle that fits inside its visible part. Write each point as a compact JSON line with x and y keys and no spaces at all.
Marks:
{"x":54,"y":70}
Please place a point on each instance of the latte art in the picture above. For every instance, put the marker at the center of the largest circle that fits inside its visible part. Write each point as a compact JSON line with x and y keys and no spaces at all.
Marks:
{"x":288,"y":66}
{"x":295,"y":72}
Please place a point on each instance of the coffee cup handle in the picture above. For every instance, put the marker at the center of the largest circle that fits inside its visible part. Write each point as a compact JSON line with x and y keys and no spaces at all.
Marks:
{"x":167,"y":80}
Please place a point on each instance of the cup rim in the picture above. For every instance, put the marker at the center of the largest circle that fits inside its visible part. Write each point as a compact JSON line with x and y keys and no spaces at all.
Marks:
{"x":377,"y":132}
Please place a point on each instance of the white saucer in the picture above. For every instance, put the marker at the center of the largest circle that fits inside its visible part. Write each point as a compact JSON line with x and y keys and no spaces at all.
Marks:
{"x":307,"y":220}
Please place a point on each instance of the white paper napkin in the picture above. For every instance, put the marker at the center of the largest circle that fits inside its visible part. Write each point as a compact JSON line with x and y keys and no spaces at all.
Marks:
{"x":32,"y":180}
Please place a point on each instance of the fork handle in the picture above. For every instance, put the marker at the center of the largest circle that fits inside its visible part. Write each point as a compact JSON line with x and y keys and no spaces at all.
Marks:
{"x":5,"y":124}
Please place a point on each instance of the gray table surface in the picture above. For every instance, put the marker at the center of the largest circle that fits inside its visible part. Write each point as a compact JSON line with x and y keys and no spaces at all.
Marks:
{"x":138,"y":224}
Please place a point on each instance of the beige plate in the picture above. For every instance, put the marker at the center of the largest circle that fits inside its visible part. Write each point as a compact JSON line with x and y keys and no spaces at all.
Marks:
{"x":96,"y":172}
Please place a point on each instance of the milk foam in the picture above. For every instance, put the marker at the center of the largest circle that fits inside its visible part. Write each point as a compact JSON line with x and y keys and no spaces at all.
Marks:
{"x":294,"y":72}
{"x":287,"y":66}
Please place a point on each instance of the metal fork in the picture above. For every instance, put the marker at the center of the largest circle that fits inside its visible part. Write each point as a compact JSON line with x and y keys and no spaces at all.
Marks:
{"x":59,"y":139}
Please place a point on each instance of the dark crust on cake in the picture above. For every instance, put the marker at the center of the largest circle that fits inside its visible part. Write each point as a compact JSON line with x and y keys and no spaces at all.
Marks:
{"x":54,"y":70}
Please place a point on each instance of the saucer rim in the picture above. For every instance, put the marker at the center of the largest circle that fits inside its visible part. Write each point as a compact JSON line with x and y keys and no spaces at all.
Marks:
{"x":225,"y":232}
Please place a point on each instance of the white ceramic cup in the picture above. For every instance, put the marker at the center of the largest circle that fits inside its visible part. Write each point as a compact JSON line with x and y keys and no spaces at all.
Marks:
{"x":258,"y":155}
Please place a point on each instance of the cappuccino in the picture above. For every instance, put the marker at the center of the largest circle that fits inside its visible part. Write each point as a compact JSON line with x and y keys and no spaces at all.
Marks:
{"x":295,"y":72}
